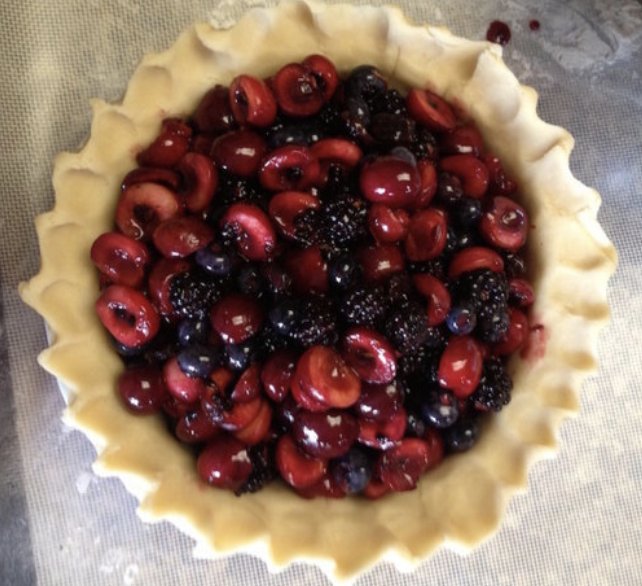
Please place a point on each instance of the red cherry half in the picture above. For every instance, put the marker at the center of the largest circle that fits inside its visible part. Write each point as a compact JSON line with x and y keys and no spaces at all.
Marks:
{"x":427,"y":234}
{"x":370,"y":355}
{"x":460,"y":366}
{"x":239,"y":152}
{"x":289,"y":168}
{"x":128,"y":315}
{"x":169,"y":147}
{"x":182,"y":236}
{"x":297,"y":468}
{"x":473,"y":258}
{"x":438,"y":297}
{"x":401,"y":467}
{"x":286,"y":206}
{"x":225,"y":463}
{"x":200,"y":179}
{"x":390,"y":181}
{"x":142,"y":389}
{"x":121,"y":259}
{"x":236,"y":318}
{"x":471,"y":172}
{"x":298,"y":91}
{"x":252,"y":229}
{"x":430,"y":109}
{"x":252,"y":101}
{"x":504,"y":224}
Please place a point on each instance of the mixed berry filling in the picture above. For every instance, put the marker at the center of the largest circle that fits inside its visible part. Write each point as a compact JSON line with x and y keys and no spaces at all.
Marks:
{"x":317,"y":278}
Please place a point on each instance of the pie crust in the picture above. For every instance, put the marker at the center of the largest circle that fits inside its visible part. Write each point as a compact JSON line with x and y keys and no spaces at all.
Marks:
{"x":343,"y":537}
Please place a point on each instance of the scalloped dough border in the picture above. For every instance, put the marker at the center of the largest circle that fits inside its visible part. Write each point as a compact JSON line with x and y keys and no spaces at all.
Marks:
{"x":348,"y":536}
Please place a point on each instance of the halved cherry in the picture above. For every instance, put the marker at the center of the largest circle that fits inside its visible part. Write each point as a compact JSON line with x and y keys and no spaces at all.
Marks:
{"x":258,"y":429}
{"x":370,"y":355}
{"x":498,"y":182}
{"x":252,"y":101}
{"x":286,"y":206}
{"x":378,"y":262}
{"x":225,"y":463}
{"x":200,"y":179}
{"x":337,"y":150}
{"x":516,"y":335}
{"x":430,"y":109}
{"x":128,"y":315}
{"x":460,"y":366}
{"x":471,"y":172}
{"x":378,"y":403}
{"x":298,"y":91}
{"x":289,"y":168}
{"x":165,"y":177}
{"x":308,"y":269}
{"x":383,"y":435}
{"x":240,"y":415}
{"x":248,"y":385}
{"x":400,"y":467}
{"x":325,"y":72}
{"x":427,"y":234}
{"x":121,"y":259}
{"x":213,"y":115}
{"x":391,"y":181}
{"x":297,"y":468}
{"x":325,"y":487}
{"x":169,"y":147}
{"x":277,"y":373}
{"x":387,"y":225}
{"x":236,"y":317}
{"x":239,"y":152}
{"x":435,"y":443}
{"x":195,"y":427}
{"x":183,"y":387}
{"x":179,"y":237}
{"x":520,"y":292}
{"x":437,"y":295}
{"x":254,"y":234}
{"x":428,"y":183}
{"x":375,"y":489}
{"x":322,"y":372}
{"x":504,"y":224}
{"x":325,"y":435}
{"x":303,"y":398}
{"x":463,"y":140}
{"x":473,"y":258}
{"x":142,"y":389}
{"x":160,"y":277}
{"x":143,"y":206}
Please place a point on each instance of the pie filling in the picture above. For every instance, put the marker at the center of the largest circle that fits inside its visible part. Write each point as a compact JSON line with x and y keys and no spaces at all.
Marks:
{"x":317,"y":278}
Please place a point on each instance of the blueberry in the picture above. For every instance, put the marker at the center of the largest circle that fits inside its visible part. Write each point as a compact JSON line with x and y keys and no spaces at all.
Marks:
{"x":352,"y":472}
{"x":463,"y":435}
{"x":461,"y":320}
{"x":365,"y":81}
{"x":405,"y":154}
{"x":218,"y":263}
{"x":357,"y":110}
{"x":449,"y":189}
{"x":286,"y":135}
{"x":198,"y":360}
{"x":343,"y":271}
{"x":283,"y":316}
{"x":192,"y":330}
{"x":440,"y":409}
{"x":239,"y":356}
{"x":416,"y":426}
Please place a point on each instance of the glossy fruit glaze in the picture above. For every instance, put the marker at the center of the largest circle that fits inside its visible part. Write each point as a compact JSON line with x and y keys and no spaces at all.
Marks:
{"x":317,"y":278}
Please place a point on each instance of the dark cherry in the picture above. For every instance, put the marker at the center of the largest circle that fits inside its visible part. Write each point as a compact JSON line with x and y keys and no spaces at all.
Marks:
{"x":142,"y":389}
{"x":338,"y":151}
{"x":325,"y":73}
{"x":504,"y":224}
{"x":159,"y":281}
{"x":460,"y":366}
{"x":200,"y":180}
{"x":277,"y":373}
{"x":225,"y":463}
{"x":236,"y":318}
{"x":325,"y":435}
{"x":169,"y":147}
{"x":390,"y":181}
{"x":258,"y":430}
{"x":239,"y":152}
{"x":463,"y":140}
{"x":182,"y":236}
{"x":308,"y":269}
{"x":400,"y":467}
{"x":427,"y":234}
{"x":165,"y":177}
{"x":385,"y":434}
{"x":213,"y":115}
{"x":248,"y":386}
{"x":516,"y":336}
{"x":437,"y":294}
{"x":430,"y":109}
{"x":183,"y":387}
{"x":471,"y":171}
{"x":474,"y":258}
{"x":378,"y":402}
{"x":286,"y":206}
{"x":387,"y":225}
{"x":195,"y":427}
{"x":378,"y":262}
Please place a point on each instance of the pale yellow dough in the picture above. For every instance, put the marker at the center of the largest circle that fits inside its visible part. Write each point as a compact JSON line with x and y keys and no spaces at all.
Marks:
{"x":343,"y":537}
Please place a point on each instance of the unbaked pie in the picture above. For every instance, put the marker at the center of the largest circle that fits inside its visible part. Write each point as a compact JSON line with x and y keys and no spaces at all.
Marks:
{"x":332,"y":260}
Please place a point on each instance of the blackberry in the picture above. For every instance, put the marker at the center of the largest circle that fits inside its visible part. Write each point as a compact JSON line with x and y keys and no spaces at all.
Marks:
{"x":424,"y":145}
{"x":263,"y":468}
{"x":495,"y":386}
{"x":365,"y":306}
{"x":435,"y":267}
{"x":392,"y":129}
{"x":419,"y":365}
{"x":343,"y":221}
{"x":389,"y":102}
{"x":270,"y":340}
{"x":306,"y":228}
{"x":192,"y":294}
{"x":232,"y":188}
{"x":406,"y":326}
{"x":399,"y":288}
{"x":306,"y":321}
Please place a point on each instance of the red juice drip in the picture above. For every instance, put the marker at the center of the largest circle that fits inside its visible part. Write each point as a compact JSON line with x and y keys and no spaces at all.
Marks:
{"x":534,"y":25}
{"x":498,"y":32}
